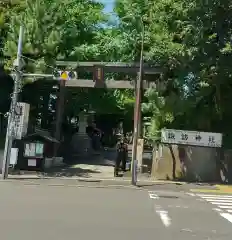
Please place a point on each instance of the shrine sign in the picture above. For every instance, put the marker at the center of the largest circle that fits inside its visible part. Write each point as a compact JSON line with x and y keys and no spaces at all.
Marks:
{"x":192,"y":138}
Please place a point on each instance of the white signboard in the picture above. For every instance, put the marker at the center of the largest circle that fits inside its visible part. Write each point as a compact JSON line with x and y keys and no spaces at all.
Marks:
{"x":204,"y":139}
{"x":21,"y":121}
{"x":31,"y":162}
{"x":14,"y":156}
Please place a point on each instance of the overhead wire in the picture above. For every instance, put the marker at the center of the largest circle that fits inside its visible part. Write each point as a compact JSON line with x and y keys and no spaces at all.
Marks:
{"x":35,"y":61}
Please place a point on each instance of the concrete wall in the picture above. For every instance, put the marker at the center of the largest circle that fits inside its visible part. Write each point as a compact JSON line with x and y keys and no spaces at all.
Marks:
{"x":191,"y":163}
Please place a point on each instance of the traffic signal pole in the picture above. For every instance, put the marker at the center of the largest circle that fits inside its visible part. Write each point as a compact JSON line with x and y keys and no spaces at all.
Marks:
{"x":59,"y":115}
{"x":137,"y":116}
{"x":12,"y":113}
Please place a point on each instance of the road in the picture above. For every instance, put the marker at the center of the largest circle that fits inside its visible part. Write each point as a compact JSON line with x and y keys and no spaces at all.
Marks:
{"x":35,"y":211}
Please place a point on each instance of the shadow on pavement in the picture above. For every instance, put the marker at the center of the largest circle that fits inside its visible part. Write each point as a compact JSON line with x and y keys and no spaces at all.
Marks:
{"x":96,"y":160}
{"x":97,"y":164}
{"x":70,"y":171}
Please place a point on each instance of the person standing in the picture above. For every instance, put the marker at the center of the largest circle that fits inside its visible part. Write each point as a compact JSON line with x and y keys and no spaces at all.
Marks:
{"x":121,"y":157}
{"x":95,"y":135}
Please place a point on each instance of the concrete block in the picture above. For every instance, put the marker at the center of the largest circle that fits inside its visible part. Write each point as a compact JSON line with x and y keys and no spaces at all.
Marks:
{"x":48,"y":162}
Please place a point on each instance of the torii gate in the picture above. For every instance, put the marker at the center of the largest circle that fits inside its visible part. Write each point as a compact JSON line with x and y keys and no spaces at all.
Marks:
{"x":98,"y":69}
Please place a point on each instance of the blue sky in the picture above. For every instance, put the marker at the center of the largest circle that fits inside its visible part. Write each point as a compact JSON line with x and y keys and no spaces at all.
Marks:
{"x":109,"y":5}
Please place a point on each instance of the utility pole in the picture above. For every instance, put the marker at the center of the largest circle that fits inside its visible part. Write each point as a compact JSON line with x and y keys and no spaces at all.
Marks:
{"x":12,"y":113}
{"x":59,"y":115}
{"x":137,"y":120}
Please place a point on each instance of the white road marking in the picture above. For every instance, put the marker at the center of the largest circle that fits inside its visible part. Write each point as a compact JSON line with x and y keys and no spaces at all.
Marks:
{"x":191,"y":194}
{"x":227,"y":216}
{"x":223,"y":203}
{"x":219,"y":201}
{"x":186,"y":230}
{"x":174,"y":206}
{"x":225,"y":207}
{"x":152,"y":195}
{"x":164,"y":217}
{"x":217,"y":209}
{"x":214,"y":196}
{"x":166,"y":220}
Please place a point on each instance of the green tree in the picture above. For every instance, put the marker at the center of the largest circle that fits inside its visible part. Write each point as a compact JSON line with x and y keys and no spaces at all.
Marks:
{"x":53,"y":30}
{"x":159,"y":48}
{"x":191,"y":40}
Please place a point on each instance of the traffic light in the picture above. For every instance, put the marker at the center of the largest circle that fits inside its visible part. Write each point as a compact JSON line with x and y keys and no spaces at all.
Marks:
{"x":98,"y":76}
{"x":65,"y":75}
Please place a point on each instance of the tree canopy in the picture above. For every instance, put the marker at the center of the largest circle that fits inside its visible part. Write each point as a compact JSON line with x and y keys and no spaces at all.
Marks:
{"x":191,"y":40}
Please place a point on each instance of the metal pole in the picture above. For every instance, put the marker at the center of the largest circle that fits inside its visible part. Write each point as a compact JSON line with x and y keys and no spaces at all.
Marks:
{"x":137,"y":114}
{"x":140,"y":77}
{"x":12,"y":113}
{"x":59,"y":116}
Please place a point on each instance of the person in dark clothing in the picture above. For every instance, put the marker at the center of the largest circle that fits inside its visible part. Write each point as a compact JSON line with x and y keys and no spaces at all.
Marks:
{"x":122,"y":152}
{"x":95,"y":134}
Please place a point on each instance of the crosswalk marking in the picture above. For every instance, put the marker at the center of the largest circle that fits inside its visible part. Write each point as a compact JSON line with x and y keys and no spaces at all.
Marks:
{"x":225,"y":207}
{"x":215,"y":196}
{"x":223,"y":204}
{"x":227,"y":216}
{"x":217,"y":200}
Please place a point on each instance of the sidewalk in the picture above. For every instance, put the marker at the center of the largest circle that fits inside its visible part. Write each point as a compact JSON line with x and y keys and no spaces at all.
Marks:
{"x":124,"y":182}
{"x":81,"y":174}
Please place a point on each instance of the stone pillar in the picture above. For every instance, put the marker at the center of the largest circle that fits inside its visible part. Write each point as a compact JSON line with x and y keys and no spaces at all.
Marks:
{"x":82,"y":124}
{"x":81,"y":141}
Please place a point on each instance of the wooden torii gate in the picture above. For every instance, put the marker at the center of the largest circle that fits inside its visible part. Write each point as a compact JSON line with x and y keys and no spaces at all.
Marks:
{"x":98,"y":70}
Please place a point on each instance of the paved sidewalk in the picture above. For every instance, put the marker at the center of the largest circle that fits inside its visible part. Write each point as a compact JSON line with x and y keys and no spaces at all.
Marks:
{"x":92,"y":183}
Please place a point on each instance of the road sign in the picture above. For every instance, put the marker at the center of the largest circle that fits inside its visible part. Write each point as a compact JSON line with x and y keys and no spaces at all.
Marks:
{"x":204,"y":139}
{"x":21,"y":120}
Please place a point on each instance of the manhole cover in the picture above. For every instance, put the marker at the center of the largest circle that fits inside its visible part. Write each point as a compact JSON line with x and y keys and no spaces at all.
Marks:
{"x":173,"y":197}
{"x":89,"y":180}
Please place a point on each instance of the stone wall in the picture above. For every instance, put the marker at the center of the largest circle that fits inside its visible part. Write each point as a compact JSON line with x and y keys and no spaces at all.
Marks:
{"x":185,"y":162}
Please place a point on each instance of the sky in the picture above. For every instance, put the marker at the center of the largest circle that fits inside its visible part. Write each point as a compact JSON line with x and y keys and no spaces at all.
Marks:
{"x":109,"y":5}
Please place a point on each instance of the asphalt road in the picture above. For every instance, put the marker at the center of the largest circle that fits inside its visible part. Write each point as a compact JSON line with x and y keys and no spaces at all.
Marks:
{"x":191,"y":216}
{"x":30,"y":211}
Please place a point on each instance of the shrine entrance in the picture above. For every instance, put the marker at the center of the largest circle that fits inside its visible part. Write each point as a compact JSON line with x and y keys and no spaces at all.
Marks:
{"x":89,"y":75}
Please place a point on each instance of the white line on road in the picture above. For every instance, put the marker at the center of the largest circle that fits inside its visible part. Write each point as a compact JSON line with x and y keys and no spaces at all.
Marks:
{"x":163,"y":214}
{"x":166,"y":220}
{"x":152,"y":195}
{"x":227,"y":216}
{"x":191,"y":194}
{"x":174,"y":206}
{"x":164,"y":217}
{"x":217,"y":209}
{"x":225,"y":207}
{"x":222,"y":203}
{"x":219,"y":200}
{"x":215,"y":196}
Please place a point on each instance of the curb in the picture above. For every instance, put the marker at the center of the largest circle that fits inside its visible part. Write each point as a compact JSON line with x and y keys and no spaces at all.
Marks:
{"x":117,"y":186}
{"x":92,"y":182}
{"x":224,"y":188}
{"x":220,"y":189}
